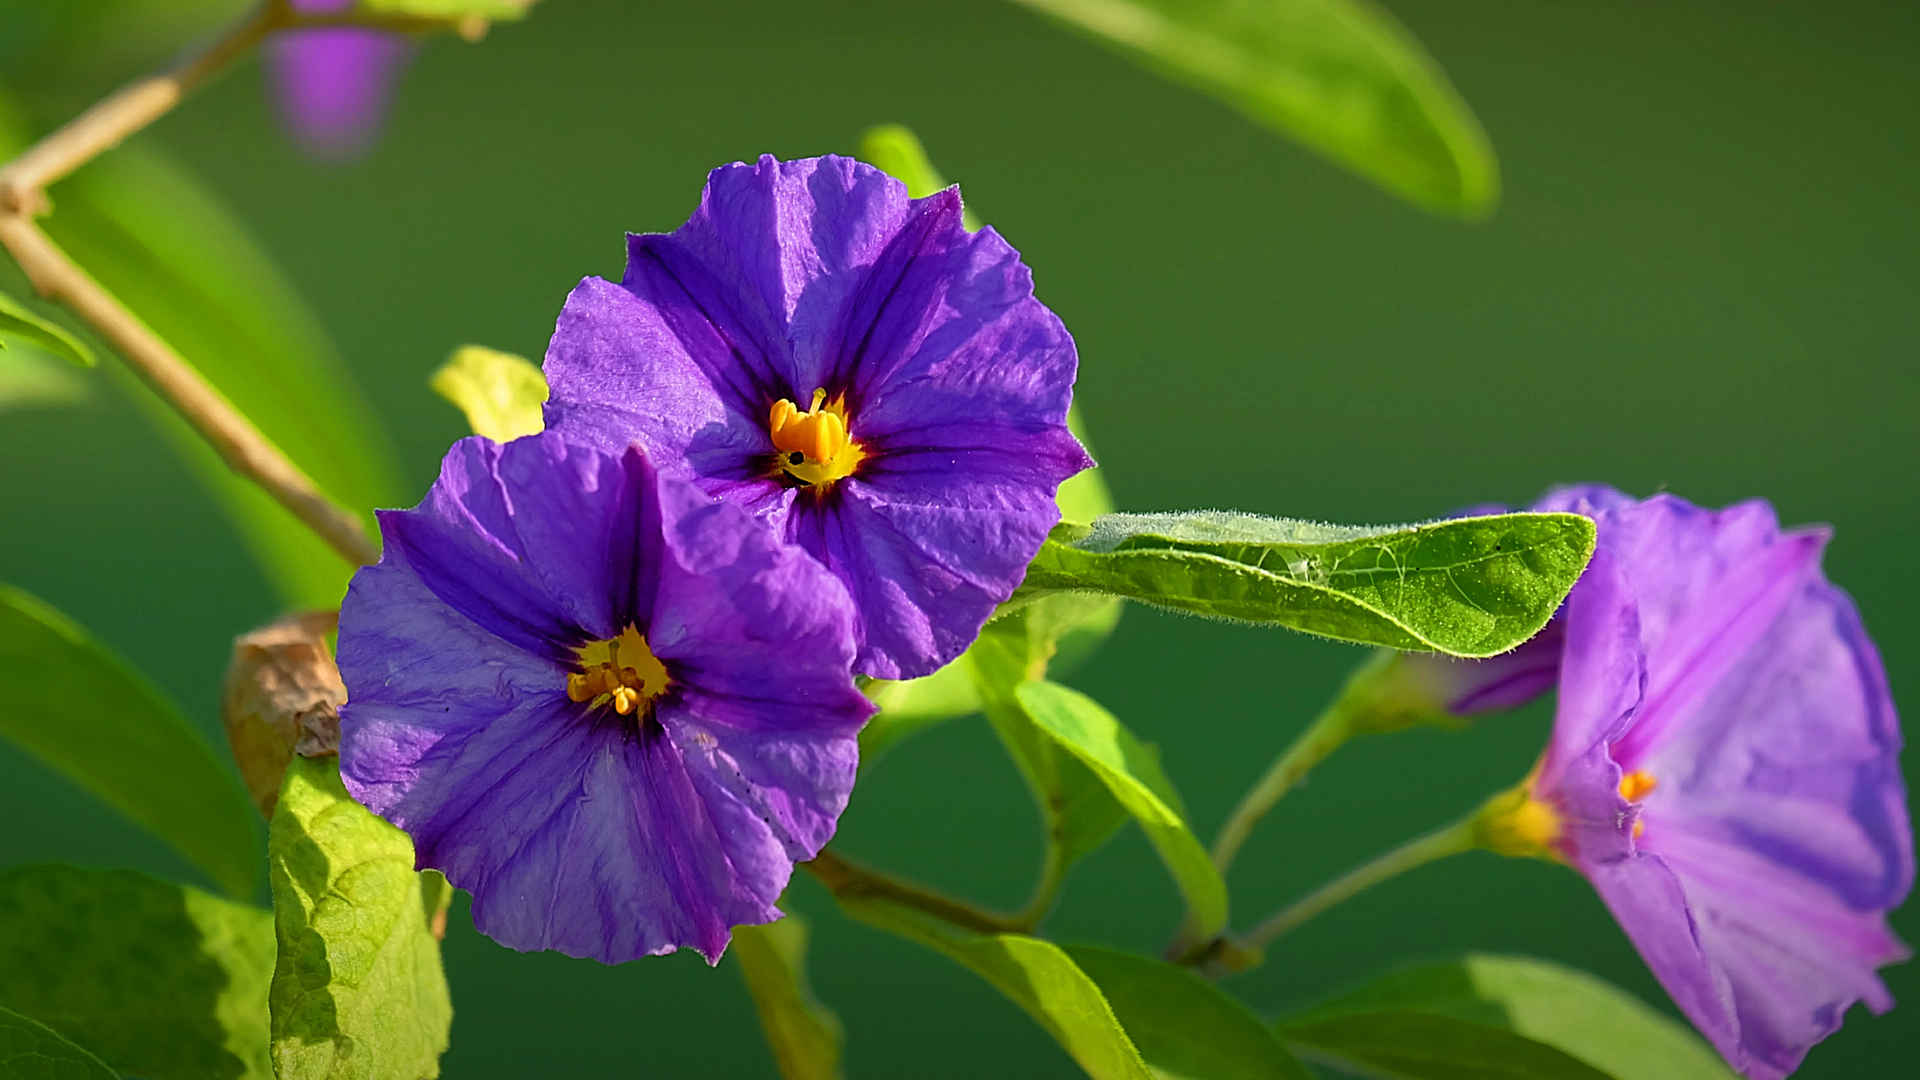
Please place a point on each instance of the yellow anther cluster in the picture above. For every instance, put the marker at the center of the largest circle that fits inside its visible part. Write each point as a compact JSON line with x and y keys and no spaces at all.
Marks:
{"x":815,"y":446}
{"x":621,"y":672}
{"x":1637,"y":785}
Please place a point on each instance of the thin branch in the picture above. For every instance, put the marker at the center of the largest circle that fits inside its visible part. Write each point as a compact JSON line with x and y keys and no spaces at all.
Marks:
{"x":846,"y":879}
{"x":240,"y":444}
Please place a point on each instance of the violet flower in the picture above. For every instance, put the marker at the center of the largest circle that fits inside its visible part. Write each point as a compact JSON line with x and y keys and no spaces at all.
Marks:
{"x":332,"y":83}
{"x":1724,"y":770}
{"x":855,"y":367}
{"x":615,"y":710}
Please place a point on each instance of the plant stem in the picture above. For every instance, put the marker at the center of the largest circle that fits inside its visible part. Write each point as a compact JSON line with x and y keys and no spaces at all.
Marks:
{"x":1461,"y":836}
{"x":848,"y":879}
{"x":1322,"y":737}
{"x":240,"y":444}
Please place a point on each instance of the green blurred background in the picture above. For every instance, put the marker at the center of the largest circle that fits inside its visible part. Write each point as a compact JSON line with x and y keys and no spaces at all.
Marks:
{"x":1702,"y":278}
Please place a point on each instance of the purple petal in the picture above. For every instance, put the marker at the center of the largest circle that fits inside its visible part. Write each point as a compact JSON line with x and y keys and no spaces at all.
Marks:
{"x":1466,"y":688}
{"x":1603,"y":670}
{"x":333,"y":84}
{"x":1646,"y":899}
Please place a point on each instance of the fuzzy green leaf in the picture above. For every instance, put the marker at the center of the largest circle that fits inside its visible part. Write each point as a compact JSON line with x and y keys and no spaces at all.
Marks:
{"x":159,"y":980}
{"x":1474,"y":586}
{"x":358,"y":990}
{"x":1034,"y":974}
{"x":500,"y":393}
{"x":1131,"y":771}
{"x":1570,"y":1010}
{"x":121,"y":740}
{"x":19,"y":323}
{"x":805,"y":1035}
{"x":1186,"y":1027}
{"x":1341,"y":76}
{"x":30,"y":1050}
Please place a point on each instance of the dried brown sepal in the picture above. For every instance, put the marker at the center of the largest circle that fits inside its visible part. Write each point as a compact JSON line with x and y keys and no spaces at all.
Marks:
{"x":282,"y":697}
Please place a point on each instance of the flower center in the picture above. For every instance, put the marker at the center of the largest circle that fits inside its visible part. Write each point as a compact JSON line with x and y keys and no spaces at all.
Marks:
{"x":1635,"y":786}
{"x":622,"y":672}
{"x":815,"y":446}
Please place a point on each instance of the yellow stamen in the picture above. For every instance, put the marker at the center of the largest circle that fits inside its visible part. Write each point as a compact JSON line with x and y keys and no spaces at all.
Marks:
{"x":1516,"y":823}
{"x":1636,"y":786}
{"x":621,"y":672}
{"x":815,"y":446}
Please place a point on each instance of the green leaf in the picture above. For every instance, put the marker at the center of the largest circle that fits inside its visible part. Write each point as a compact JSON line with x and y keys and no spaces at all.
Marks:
{"x":180,"y":261}
{"x":1131,"y":770}
{"x":1186,"y":1027}
{"x":30,"y":1050}
{"x":805,"y":1035}
{"x":895,"y":150}
{"x":911,"y":705}
{"x":30,"y":379}
{"x":72,"y":704}
{"x":19,"y":323}
{"x":357,"y":988}
{"x":1079,"y":811}
{"x":1341,"y":76}
{"x":1035,"y":975}
{"x":500,"y":393}
{"x":1412,"y":1045}
{"x":1570,"y":1010}
{"x":450,"y":9}
{"x":159,"y":980}
{"x":1474,"y":586}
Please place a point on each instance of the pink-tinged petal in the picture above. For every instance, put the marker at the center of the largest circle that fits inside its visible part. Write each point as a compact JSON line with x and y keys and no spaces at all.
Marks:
{"x":333,"y":84}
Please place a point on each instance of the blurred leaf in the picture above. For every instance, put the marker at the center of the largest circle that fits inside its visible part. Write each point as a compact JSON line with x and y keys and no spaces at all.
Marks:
{"x":1079,"y":811}
{"x":179,"y":260}
{"x":357,"y":988}
{"x":160,"y":980}
{"x":500,"y":393}
{"x":1132,"y":773}
{"x":1593,"y":1020}
{"x":1411,"y":1045}
{"x":1186,"y":1027}
{"x":1473,"y":586}
{"x":30,"y":1050}
{"x":1033,"y":974}
{"x":19,"y":323}
{"x":910,"y":705}
{"x":34,"y":379}
{"x":804,"y":1035}
{"x":895,"y":150}
{"x":73,"y":704}
{"x":450,"y":9}
{"x":1339,"y":75}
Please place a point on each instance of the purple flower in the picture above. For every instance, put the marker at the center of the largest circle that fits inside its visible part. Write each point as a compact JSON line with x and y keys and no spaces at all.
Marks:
{"x":332,"y":83}
{"x":1724,"y":769}
{"x":615,"y":710}
{"x":852,"y":365}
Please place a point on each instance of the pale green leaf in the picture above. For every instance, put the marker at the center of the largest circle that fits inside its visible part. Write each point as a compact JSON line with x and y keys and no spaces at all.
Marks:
{"x":1079,"y":811}
{"x":908,"y":706}
{"x":500,"y":393}
{"x":1035,"y":975}
{"x":450,"y":9}
{"x":1410,"y":1045}
{"x":804,"y":1035}
{"x":159,"y":980}
{"x":1570,"y":1010}
{"x":72,"y":704}
{"x":19,"y":323}
{"x":1339,"y":75}
{"x":1474,"y":586}
{"x":895,"y":150}
{"x":1186,"y":1027}
{"x":30,"y":1050}
{"x":358,"y":990}
{"x":32,"y":379}
{"x":180,"y":261}
{"x":1132,"y":773}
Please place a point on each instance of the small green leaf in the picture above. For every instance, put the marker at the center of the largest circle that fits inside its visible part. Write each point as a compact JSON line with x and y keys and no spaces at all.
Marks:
{"x":1411,"y":1045}
{"x":500,"y":393}
{"x":76,"y":707}
{"x":1035,"y":975}
{"x":357,"y":988}
{"x":805,"y":1035}
{"x":1186,"y":1027}
{"x":1474,"y":586}
{"x":1079,"y":811}
{"x":1570,"y":1010}
{"x":160,"y":980}
{"x":32,"y":379}
{"x":911,"y":705}
{"x":178,"y":259}
{"x":19,"y":323}
{"x":1132,"y":772}
{"x":450,"y":9}
{"x":1339,"y":75}
{"x":895,"y":150}
{"x":30,"y":1050}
